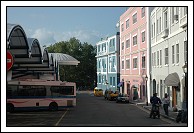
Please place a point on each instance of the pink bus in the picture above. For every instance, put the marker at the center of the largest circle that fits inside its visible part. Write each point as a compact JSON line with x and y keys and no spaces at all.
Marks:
{"x":33,"y":94}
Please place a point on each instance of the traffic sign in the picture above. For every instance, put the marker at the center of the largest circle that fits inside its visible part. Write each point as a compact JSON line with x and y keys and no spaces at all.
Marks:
{"x":9,"y":60}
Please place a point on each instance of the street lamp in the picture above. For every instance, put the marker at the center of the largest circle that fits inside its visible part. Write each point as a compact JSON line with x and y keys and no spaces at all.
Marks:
{"x":146,"y":78}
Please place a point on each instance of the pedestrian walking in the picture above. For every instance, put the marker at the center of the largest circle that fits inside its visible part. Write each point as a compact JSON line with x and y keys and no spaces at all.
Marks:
{"x":166,"y":102}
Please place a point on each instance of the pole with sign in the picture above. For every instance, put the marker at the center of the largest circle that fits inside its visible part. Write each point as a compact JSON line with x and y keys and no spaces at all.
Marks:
{"x":9,"y":60}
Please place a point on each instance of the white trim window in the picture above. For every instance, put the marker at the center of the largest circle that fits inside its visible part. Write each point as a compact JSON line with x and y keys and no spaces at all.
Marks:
{"x":122,"y":27}
{"x":127,"y":63}
{"x":135,"y":18}
{"x":122,"y":64}
{"x":166,"y":56}
{"x":127,"y":24}
{"x":122,"y":46}
{"x":173,"y":55}
{"x":160,"y":57}
{"x":177,"y":53}
{"x":143,"y":36}
{"x":185,"y":51}
{"x":165,"y":20}
{"x":142,"y":12}
{"x":135,"y":62}
{"x":128,"y":43}
{"x":143,"y":61}
{"x":134,"y":40}
{"x":160,"y":25}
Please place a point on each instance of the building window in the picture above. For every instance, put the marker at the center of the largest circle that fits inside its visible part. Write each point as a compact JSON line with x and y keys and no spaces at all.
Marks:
{"x":166,"y":56}
{"x":173,"y":14}
{"x":185,"y":11}
{"x":173,"y":55}
{"x":157,"y":26}
{"x":135,"y":40}
{"x":98,"y":48}
{"x":127,"y":64}
{"x":160,"y":25}
{"x":122,"y":45}
{"x":110,"y":80}
{"x":114,"y":81}
{"x":135,"y":18}
{"x":99,"y":79}
{"x":166,"y":20}
{"x":152,"y":31}
{"x":143,"y":36}
{"x":122,"y":27}
{"x":160,"y":57}
{"x":128,"y":43}
{"x":154,"y":58}
{"x":134,"y":62}
{"x":177,"y":53}
{"x":143,"y":62}
{"x":142,"y":12}
{"x":122,"y":64}
{"x":185,"y":51}
{"x":127,"y":24}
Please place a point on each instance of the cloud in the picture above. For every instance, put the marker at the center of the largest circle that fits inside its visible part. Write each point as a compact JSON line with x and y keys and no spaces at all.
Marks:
{"x":44,"y":36}
{"x":83,"y":35}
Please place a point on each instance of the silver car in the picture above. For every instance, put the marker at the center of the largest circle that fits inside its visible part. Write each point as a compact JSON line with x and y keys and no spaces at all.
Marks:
{"x":123,"y":98}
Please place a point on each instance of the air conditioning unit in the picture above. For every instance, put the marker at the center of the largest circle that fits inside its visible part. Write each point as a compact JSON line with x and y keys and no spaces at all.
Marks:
{"x":176,"y":17}
{"x":165,"y":33}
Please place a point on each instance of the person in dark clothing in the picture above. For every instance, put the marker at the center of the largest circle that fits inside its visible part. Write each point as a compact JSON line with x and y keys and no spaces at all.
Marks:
{"x":154,"y":101}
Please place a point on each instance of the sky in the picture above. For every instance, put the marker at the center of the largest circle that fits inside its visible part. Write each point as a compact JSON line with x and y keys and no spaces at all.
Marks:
{"x":88,"y":24}
{"x":54,"y":24}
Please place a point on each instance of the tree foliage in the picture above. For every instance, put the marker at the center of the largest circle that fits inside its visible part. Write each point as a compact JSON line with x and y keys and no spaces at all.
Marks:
{"x":85,"y":73}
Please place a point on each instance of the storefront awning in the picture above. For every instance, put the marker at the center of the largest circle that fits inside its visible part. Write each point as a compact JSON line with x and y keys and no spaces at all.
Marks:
{"x":172,"y":80}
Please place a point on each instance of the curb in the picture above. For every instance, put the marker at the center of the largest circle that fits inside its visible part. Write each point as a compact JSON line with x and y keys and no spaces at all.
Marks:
{"x":171,"y":118}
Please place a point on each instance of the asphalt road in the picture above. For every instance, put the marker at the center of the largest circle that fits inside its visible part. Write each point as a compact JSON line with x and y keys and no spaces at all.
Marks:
{"x":90,"y":111}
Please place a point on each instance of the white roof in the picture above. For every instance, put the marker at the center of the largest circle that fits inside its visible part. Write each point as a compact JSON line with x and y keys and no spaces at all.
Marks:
{"x":64,"y":59}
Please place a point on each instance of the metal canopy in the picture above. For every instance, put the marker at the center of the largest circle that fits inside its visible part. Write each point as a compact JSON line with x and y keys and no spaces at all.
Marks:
{"x":64,"y":59}
{"x":30,"y":57}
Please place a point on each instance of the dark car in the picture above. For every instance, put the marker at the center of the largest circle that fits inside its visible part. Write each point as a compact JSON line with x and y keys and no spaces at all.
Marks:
{"x":122,"y":98}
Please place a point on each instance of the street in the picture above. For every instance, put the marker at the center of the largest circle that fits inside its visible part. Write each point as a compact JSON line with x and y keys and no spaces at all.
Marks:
{"x":90,"y":111}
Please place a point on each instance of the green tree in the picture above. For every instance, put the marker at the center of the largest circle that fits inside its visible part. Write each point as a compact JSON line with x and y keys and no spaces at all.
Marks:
{"x":85,"y":73}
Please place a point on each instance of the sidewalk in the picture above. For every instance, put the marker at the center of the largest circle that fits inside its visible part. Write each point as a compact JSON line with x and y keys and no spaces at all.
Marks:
{"x":171,"y":115}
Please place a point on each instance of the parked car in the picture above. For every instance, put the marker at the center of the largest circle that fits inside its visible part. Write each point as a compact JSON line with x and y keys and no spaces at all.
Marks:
{"x":98,"y":92}
{"x":113,"y":95}
{"x":122,"y":98}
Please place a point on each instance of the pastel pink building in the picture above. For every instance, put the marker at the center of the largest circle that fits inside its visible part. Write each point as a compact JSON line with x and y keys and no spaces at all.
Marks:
{"x":134,"y":59}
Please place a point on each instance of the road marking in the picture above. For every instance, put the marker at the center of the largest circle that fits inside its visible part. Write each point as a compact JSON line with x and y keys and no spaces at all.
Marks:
{"x":61,"y":117}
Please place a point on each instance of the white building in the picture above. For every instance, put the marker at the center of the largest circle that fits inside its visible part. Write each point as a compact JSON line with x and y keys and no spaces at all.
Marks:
{"x":169,"y":53}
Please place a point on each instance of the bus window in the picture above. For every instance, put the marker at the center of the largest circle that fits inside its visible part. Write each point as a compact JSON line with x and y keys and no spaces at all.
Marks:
{"x":40,"y":92}
{"x":12,"y":90}
{"x":54,"y":90}
{"x":67,"y":90}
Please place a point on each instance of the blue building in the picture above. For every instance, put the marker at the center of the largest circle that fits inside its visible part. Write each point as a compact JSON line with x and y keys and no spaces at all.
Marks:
{"x":108,"y":71}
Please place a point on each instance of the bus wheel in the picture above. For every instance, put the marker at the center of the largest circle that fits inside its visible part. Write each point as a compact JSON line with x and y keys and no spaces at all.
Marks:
{"x":53,"y":106}
{"x":10,"y":108}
